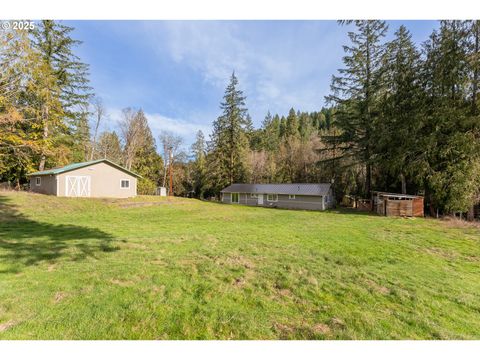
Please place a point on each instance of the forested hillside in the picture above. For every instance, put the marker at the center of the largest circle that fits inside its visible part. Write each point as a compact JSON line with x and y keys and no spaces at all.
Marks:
{"x":400,"y":117}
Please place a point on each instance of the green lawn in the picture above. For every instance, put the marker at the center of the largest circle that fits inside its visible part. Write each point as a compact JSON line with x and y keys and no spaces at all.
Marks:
{"x":185,"y":269}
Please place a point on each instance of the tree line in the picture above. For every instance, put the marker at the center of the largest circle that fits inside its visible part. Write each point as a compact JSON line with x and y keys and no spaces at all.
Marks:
{"x":400,"y":117}
{"x":408,"y":116}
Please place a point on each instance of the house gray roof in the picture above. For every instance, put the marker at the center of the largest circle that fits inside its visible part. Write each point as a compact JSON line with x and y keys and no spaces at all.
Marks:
{"x":75,"y":166}
{"x":290,"y":189}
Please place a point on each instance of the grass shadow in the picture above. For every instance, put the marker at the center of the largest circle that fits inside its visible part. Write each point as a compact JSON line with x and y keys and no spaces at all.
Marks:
{"x":27,"y":242}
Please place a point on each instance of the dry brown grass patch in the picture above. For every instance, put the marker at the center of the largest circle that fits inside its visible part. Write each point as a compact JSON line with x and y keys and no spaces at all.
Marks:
{"x":377,"y":287}
{"x":122,"y":282}
{"x":235,"y":261}
{"x":321,"y":329}
{"x":59,"y":296}
{"x":454,"y":222}
{"x":7,"y":325}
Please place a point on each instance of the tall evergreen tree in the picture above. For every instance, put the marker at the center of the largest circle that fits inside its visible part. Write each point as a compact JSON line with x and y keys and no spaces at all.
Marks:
{"x":199,"y":165}
{"x":398,"y":142}
{"x":292,"y":124}
{"x":52,"y":40}
{"x":271,"y":132}
{"x":229,"y":141}
{"x":474,"y":67}
{"x":452,"y":149}
{"x":356,"y":92}
{"x":283,"y":127}
{"x":147,"y":162}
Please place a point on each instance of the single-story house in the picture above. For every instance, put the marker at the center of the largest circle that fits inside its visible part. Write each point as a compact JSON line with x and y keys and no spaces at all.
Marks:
{"x":98,"y":178}
{"x":391,"y":204}
{"x":288,"y":196}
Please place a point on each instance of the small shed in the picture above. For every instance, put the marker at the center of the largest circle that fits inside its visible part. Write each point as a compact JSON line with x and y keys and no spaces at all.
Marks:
{"x":98,"y":178}
{"x":161,"y":191}
{"x":391,"y":204}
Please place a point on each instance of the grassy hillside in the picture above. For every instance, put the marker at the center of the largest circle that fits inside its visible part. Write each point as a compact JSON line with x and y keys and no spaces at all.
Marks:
{"x":152,"y":269}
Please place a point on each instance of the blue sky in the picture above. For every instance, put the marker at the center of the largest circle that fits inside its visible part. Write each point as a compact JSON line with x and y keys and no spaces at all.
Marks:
{"x":176,"y":71}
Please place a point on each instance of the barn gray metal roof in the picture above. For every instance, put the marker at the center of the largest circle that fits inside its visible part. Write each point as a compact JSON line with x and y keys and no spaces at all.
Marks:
{"x":290,"y":189}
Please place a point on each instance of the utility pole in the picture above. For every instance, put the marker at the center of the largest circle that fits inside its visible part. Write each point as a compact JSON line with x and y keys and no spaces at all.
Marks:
{"x":170,"y":193}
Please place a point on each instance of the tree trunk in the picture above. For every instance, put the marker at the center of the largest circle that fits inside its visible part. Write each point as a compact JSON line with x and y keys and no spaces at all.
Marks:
{"x":476,"y":33}
{"x":368,"y":180}
{"x":404,"y":183}
{"x":470,"y":214}
{"x":43,"y":157}
{"x":94,"y":143}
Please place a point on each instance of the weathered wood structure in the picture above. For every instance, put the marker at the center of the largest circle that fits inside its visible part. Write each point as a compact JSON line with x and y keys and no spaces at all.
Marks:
{"x":391,"y":204}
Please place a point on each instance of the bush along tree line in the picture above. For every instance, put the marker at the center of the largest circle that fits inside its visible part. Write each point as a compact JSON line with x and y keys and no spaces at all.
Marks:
{"x":400,"y":117}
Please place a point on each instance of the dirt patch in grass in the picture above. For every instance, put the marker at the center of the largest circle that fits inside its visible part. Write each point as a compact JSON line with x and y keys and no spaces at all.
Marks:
{"x":288,"y":331}
{"x":285,"y":293}
{"x":149,"y":203}
{"x":59,"y":296}
{"x":377,"y":288}
{"x":122,"y":282}
{"x":236,"y":261}
{"x":321,"y":329}
{"x":132,"y":245}
{"x":283,"y":329}
{"x":445,"y":254}
{"x":239,"y":282}
{"x":158,"y":261}
{"x":158,"y":289}
{"x":7,"y":325}
{"x":338,"y":323}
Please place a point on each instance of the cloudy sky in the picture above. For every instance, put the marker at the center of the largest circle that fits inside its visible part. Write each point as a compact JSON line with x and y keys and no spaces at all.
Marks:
{"x":176,"y":71}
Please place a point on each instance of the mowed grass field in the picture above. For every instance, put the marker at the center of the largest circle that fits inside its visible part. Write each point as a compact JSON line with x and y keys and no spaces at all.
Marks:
{"x":149,"y":268}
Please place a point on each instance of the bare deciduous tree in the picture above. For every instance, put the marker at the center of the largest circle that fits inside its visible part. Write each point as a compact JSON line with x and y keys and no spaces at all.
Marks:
{"x":257,"y":162}
{"x":174,"y":142}
{"x":133,"y":131}
{"x":99,"y":113}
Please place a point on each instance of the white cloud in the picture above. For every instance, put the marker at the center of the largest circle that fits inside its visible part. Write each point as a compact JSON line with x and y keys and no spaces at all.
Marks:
{"x":158,"y":123}
{"x":209,"y":47}
{"x":183,"y":128}
{"x":276,"y":71}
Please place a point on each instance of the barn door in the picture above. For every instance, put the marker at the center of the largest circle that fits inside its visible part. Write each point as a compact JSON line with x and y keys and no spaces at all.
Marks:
{"x":77,"y":186}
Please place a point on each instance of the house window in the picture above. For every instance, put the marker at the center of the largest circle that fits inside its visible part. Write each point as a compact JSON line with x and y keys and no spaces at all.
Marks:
{"x":291,"y":197}
{"x":125,"y":184}
{"x":253,"y":196}
{"x":272,"y":197}
{"x":234,"y":198}
{"x":38,"y":181}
